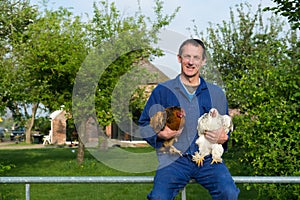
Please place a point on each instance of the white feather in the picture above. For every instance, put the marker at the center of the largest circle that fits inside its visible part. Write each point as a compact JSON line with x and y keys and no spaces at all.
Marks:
{"x":208,"y":122}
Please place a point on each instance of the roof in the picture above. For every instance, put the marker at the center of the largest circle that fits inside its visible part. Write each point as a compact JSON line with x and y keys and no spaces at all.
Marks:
{"x":55,"y":113}
{"x":152,"y":69}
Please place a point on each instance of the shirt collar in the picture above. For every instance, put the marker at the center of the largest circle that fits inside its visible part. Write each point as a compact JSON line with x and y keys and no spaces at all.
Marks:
{"x":201,"y":87}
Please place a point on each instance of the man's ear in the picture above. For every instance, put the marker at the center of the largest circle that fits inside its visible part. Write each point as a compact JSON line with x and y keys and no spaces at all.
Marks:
{"x":179,"y":58}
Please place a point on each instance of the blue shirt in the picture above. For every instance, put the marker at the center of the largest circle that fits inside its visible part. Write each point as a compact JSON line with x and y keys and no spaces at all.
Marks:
{"x":173,"y":93}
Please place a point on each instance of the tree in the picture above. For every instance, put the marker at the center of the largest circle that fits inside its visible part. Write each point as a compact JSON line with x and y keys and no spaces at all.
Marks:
{"x":289,"y":9}
{"x":55,"y":48}
{"x":259,"y":65}
{"x":15,"y":19}
{"x":118,"y":42}
{"x":45,"y":57}
{"x":107,"y":23}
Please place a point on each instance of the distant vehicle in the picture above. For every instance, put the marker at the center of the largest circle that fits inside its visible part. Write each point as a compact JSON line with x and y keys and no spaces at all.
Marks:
{"x":18,"y":134}
{"x":2,"y":130}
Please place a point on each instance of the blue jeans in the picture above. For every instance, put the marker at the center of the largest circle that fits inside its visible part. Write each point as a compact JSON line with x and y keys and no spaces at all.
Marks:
{"x":215,"y":178}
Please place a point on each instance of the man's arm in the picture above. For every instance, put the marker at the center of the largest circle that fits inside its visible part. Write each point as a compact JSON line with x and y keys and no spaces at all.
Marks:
{"x":146,"y":131}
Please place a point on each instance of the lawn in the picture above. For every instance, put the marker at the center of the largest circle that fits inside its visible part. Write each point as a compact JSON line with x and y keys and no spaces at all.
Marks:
{"x":62,"y":162}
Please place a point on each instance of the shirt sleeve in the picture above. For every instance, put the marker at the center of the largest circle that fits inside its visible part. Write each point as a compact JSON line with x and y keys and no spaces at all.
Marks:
{"x":146,"y":131}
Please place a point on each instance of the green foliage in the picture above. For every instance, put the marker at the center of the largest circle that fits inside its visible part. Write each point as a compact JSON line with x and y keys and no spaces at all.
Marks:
{"x":16,"y":16}
{"x":52,"y":54}
{"x":138,"y":100}
{"x":42,"y":125}
{"x":44,"y":51}
{"x":119,"y":43}
{"x":6,"y":167}
{"x":289,"y":9}
{"x":260,"y":68}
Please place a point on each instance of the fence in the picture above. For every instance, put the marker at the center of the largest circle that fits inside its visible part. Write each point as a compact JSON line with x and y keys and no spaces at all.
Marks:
{"x":130,"y":179}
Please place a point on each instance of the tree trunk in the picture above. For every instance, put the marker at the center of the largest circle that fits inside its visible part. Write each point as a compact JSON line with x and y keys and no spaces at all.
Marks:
{"x":30,"y":122}
{"x":80,"y":154}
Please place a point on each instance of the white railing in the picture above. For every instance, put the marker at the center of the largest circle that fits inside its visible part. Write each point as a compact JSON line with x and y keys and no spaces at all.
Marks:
{"x":130,"y":179}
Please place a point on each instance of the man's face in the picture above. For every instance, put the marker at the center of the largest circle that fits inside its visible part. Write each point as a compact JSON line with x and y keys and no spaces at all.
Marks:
{"x":191,"y":60}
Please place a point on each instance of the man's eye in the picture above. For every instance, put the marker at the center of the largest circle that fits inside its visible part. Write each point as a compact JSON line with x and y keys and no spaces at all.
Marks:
{"x":188,"y":57}
{"x":196,"y":58}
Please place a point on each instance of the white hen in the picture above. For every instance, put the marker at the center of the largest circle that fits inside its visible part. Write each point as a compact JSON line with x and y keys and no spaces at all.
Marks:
{"x":208,"y":122}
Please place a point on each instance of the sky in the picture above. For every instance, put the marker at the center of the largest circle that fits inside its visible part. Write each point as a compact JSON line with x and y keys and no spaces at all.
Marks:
{"x":202,"y":12}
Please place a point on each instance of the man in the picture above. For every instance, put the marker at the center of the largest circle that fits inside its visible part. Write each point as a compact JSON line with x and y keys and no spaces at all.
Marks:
{"x":189,"y":91}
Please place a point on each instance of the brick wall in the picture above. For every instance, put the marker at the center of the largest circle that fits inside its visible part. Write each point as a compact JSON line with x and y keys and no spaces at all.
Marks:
{"x":59,"y":129}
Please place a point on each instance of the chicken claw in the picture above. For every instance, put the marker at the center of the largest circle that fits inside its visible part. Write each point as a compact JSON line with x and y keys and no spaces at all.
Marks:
{"x":216,"y":160}
{"x":198,"y":159}
{"x":173,"y":150}
{"x":170,"y":149}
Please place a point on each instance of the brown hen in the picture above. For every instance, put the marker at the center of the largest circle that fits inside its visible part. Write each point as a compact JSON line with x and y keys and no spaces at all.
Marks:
{"x":172,"y":117}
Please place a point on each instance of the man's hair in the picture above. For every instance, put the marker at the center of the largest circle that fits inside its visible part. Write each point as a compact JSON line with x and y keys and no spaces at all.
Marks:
{"x":195,"y":42}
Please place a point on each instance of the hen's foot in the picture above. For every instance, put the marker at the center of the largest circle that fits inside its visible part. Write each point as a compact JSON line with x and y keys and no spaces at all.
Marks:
{"x":173,"y":150}
{"x":198,"y":159}
{"x":216,"y":160}
{"x":170,"y":150}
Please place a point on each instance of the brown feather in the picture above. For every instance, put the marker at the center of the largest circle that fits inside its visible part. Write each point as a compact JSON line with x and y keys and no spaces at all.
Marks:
{"x":174,"y":118}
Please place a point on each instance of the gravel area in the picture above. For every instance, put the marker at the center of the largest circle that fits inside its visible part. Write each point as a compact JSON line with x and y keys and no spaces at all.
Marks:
{"x":12,"y":145}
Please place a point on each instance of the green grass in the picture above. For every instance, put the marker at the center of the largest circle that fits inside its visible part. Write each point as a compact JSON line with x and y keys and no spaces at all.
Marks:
{"x":62,"y":162}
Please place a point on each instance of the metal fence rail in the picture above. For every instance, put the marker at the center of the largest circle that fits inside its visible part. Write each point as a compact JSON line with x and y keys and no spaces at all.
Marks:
{"x":27,"y":180}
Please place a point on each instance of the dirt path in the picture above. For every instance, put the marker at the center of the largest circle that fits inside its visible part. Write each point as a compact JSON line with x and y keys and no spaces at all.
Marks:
{"x":13,"y":145}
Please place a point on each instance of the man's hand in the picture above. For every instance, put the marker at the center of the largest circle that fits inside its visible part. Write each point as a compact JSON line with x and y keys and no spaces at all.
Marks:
{"x":167,"y":133}
{"x":217,"y":136}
